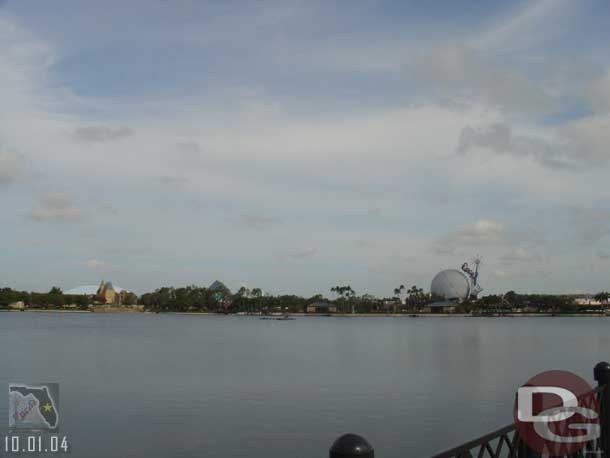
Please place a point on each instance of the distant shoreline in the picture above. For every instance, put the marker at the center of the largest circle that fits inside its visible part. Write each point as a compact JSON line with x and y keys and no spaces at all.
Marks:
{"x":325,"y":315}
{"x":43,"y":310}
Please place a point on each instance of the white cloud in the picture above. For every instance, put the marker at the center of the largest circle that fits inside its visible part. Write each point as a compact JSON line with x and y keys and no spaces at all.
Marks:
{"x":603,"y":255}
{"x":318,"y":161}
{"x":534,"y":24}
{"x":588,"y":139}
{"x":463,"y":76}
{"x":101,"y":134}
{"x":306,"y":253}
{"x":484,"y":231}
{"x":190,"y":147}
{"x":258,"y":221}
{"x":510,"y":278}
{"x":173,"y":181}
{"x":575,"y":145}
{"x":11,"y":167}
{"x":598,"y":93}
{"x":520,"y":255}
{"x":301,"y":254}
{"x":502,"y":274}
{"x":24,"y":76}
{"x":95,"y":263}
{"x":55,"y":207}
{"x":500,"y":139}
{"x":591,"y":225}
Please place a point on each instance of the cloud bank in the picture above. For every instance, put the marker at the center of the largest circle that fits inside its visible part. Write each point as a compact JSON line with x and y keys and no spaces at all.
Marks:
{"x":226,"y":147}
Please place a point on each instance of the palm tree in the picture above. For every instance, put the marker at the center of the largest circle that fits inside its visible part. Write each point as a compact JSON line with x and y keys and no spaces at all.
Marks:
{"x":397,"y":292}
{"x":412,"y":292}
{"x":345,"y":293}
{"x":602,"y":297}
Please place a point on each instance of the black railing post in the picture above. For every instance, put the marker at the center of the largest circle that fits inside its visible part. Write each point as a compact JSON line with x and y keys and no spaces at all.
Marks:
{"x":525,"y":452}
{"x":601,"y":373}
{"x":351,"y":446}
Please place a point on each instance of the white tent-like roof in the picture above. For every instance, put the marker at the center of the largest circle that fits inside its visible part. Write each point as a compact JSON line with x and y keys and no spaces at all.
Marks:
{"x":88,"y":290}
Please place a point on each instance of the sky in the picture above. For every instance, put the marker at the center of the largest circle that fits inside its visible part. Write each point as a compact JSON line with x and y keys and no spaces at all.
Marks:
{"x":297,"y":145}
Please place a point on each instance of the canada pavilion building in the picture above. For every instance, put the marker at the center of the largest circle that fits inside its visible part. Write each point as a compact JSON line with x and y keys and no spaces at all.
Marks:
{"x":106,"y":293}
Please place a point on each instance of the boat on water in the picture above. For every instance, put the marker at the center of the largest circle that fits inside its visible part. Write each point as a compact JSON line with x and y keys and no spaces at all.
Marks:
{"x":278,"y":318}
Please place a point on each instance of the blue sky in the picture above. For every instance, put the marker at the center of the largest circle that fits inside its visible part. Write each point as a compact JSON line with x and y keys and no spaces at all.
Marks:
{"x":297,"y":145}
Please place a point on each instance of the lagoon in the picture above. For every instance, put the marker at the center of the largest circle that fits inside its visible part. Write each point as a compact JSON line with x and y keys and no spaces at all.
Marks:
{"x":170,"y":385}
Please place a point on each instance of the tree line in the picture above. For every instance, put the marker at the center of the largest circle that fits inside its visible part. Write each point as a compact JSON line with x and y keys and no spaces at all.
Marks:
{"x":345,"y":300}
{"x":221,"y":300}
{"x":54,"y":299}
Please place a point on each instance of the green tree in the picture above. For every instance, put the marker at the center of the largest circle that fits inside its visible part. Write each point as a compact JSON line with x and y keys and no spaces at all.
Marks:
{"x":56,"y":297}
{"x":416,"y":296}
{"x":129,"y":298}
{"x":243,"y":292}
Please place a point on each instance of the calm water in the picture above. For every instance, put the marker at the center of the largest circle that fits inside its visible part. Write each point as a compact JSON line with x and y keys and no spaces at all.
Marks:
{"x":140,"y":385}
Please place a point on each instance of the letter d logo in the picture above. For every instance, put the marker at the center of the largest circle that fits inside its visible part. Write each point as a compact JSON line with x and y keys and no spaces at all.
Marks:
{"x":525,"y":401}
{"x":556,"y":413}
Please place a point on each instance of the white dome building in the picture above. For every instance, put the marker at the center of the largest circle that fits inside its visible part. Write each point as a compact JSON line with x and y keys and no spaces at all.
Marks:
{"x":89,"y":290}
{"x":105,"y":293}
{"x":451,"y":284}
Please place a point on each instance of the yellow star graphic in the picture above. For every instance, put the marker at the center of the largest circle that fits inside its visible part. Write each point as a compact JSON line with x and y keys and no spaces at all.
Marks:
{"x":47,"y":407}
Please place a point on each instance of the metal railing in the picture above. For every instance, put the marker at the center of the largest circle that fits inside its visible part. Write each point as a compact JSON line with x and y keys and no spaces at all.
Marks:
{"x":505,"y":442}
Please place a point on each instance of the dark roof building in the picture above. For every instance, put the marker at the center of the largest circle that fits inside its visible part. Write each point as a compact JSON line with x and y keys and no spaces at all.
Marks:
{"x":219,"y":286}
